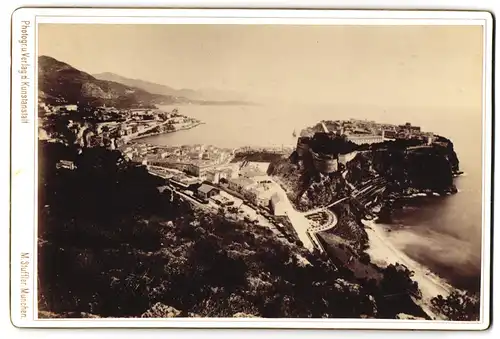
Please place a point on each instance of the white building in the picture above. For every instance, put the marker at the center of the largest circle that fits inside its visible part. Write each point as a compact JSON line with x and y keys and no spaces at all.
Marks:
{"x":240,"y":184}
{"x":72,"y":108}
{"x":67,"y":164}
{"x":277,"y":205}
{"x":213,"y":176}
{"x":365,"y":139}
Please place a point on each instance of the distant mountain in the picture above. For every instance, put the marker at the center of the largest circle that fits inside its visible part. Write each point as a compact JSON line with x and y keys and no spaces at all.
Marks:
{"x":144,"y":85}
{"x":59,"y":82}
{"x":201,"y":96}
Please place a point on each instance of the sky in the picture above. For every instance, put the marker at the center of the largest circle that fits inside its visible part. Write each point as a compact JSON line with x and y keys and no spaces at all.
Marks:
{"x":380,"y":66}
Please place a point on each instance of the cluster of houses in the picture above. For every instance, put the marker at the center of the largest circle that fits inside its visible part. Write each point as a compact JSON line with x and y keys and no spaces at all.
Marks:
{"x":46,"y":109}
{"x":122,"y":123}
{"x":368,"y":132}
{"x":255,"y":187}
{"x":248,"y":184}
{"x":197,"y":160}
{"x":135,"y":127}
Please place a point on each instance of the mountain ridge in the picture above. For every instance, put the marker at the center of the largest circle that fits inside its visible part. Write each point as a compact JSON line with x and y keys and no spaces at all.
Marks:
{"x":202,"y":95}
{"x":61,"y":83}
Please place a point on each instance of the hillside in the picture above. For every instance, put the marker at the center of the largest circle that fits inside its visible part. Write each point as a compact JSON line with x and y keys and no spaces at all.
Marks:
{"x":59,"y":83}
{"x":200,"y":96}
{"x":151,"y":254}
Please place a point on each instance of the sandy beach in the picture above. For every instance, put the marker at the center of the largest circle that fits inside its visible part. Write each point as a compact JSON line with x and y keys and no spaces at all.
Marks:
{"x":382,"y":252}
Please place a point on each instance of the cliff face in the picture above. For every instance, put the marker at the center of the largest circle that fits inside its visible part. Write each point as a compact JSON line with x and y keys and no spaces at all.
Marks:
{"x":306,"y":186}
{"x":450,"y":154}
{"x":407,"y":166}
{"x":421,"y":169}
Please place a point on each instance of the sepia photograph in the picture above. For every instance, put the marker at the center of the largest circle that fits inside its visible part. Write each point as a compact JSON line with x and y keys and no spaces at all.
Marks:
{"x":263,"y":171}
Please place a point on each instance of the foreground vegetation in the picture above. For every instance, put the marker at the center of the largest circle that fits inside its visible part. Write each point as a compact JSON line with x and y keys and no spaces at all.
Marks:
{"x":112,"y":245}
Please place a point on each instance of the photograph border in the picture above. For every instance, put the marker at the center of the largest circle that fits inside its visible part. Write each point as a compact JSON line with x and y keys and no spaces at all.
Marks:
{"x":24,"y":162}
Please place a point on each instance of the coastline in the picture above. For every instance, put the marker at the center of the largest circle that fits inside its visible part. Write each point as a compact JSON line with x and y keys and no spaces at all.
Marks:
{"x":159,"y":133}
{"x":383,"y":253}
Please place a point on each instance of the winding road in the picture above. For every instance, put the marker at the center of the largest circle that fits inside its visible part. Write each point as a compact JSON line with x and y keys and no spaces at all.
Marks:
{"x":324,"y":208}
{"x":315,"y":228}
{"x":373,"y":186}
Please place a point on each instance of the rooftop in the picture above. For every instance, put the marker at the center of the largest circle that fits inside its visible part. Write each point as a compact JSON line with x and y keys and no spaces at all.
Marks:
{"x":204,"y":188}
{"x":242,"y":181}
{"x":252,"y":172}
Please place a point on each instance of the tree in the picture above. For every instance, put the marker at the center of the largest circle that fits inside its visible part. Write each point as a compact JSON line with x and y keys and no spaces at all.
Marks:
{"x":397,"y":280}
{"x":458,"y":306}
{"x":396,"y":291}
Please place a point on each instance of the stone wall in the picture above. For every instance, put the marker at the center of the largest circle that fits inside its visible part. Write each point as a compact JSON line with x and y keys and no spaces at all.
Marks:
{"x":324,"y":163}
{"x":302,"y":146}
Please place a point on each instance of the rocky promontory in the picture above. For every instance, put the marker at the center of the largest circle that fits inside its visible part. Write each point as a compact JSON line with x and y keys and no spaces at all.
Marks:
{"x":328,"y":166}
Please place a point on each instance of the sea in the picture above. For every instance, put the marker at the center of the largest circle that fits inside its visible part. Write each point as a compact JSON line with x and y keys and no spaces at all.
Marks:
{"x":441,"y":233}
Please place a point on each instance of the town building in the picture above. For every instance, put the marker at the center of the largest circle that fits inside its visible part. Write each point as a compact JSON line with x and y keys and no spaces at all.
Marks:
{"x":240,"y":184}
{"x":389,"y":134}
{"x":207,"y":191}
{"x":254,"y":173}
{"x":66,"y":164}
{"x":179,"y":166}
{"x":409,"y":129}
{"x":228,"y":173}
{"x":405,"y":126}
{"x":198,"y":169}
{"x":128,"y":130}
{"x":365,"y":139}
{"x":184,"y":181}
{"x":66,"y":108}
{"x":262,"y":194}
{"x":43,"y":134}
{"x":42,"y":107}
{"x":212,"y":176}
{"x":415,"y":130}
{"x":222,"y":200}
{"x":277,"y":205}
{"x":194,"y":155}
{"x":430,"y":139}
